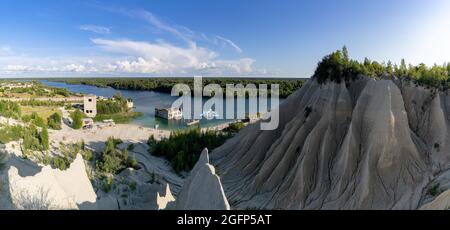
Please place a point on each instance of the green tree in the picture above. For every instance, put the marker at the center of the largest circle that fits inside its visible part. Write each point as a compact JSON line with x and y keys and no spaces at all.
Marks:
{"x":113,"y":160}
{"x":183,"y":148}
{"x":54,"y":121}
{"x":10,"y":109}
{"x":345,"y":53}
{"x":43,"y":137}
{"x":37,"y":120}
{"x":390,"y":68}
{"x":77,"y":119}
{"x":31,"y":139}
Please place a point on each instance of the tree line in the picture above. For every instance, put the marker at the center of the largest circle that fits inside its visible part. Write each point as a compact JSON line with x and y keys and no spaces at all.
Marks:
{"x":164,"y":85}
{"x":338,"y":67}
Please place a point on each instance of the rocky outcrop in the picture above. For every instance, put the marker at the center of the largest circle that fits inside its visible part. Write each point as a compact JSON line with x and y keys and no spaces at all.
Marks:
{"x":163,"y":200}
{"x":202,"y":190}
{"x":51,"y":188}
{"x":365,"y":145}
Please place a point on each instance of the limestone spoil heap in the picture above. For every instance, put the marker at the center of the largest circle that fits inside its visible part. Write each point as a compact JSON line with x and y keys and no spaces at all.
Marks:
{"x":370,"y":144}
{"x":51,"y":188}
{"x":202,"y":190}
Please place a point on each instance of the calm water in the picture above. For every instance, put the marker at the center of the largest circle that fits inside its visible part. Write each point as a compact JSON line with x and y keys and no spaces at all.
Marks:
{"x":145,"y":102}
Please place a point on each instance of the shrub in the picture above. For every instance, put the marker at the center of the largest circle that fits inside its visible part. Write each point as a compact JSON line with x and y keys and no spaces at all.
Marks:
{"x":37,"y":120}
{"x":2,"y":160}
{"x":54,"y":121}
{"x":68,"y":107}
{"x":152,"y":178}
{"x":26,"y":118}
{"x":107,"y":184}
{"x":82,"y":145}
{"x":152,"y":141}
{"x":133,"y":163}
{"x":34,"y":102}
{"x":131,"y":147}
{"x":110,"y":107}
{"x":10,"y":109}
{"x":46,"y":160}
{"x":43,"y":138}
{"x":234,"y":128}
{"x":113,"y":160}
{"x":35,"y":140}
{"x":133,"y":186}
{"x":11,"y":133}
{"x":88,"y":155}
{"x":61,"y":163}
{"x":434,"y":190}
{"x":61,"y":91}
{"x":77,"y":119}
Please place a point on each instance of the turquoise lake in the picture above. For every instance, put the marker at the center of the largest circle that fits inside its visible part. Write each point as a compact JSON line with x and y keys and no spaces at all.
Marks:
{"x":145,"y":102}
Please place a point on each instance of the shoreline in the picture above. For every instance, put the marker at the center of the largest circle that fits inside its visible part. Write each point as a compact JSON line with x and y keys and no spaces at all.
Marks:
{"x":131,"y":133}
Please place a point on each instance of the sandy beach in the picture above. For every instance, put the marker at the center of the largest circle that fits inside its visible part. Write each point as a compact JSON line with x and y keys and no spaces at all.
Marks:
{"x":100,"y":133}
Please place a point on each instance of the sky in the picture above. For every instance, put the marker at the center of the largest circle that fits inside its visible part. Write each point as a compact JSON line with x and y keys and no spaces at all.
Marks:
{"x":245,"y":38}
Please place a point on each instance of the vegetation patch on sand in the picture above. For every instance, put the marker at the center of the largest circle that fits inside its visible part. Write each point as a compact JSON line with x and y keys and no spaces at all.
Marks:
{"x":69,"y":153}
{"x":183,"y":148}
{"x":77,"y":119}
{"x":116,"y":109}
{"x":10,"y":109}
{"x":43,"y":111}
{"x":33,"y":131}
{"x":9,"y":133}
{"x":119,"y":118}
{"x":113,"y":160}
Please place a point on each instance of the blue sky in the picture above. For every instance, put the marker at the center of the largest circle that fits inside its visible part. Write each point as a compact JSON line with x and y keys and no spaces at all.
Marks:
{"x":283,"y":38}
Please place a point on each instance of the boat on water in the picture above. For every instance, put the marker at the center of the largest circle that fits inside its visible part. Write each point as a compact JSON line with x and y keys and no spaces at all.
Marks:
{"x":209,"y":115}
{"x":194,"y":122}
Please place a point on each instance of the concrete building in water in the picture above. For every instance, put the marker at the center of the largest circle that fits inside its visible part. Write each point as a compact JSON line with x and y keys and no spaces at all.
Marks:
{"x":169,"y":114}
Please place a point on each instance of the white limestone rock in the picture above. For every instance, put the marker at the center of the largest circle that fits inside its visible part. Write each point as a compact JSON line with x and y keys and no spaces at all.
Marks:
{"x":51,"y":188}
{"x":202,"y":190}
{"x":164,"y":200}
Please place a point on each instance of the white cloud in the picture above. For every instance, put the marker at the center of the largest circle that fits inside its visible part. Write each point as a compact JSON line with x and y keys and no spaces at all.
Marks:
{"x":186,"y":34}
{"x":178,"y":31}
{"x":96,"y":29}
{"x":230,"y":43}
{"x":138,"y":57}
{"x":16,"y":68}
{"x":240,"y":66}
{"x":141,"y":57}
{"x":163,"y":57}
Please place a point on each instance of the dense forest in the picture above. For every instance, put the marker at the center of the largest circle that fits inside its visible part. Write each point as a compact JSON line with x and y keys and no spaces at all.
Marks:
{"x":287,"y":86}
{"x":339,"y":67}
